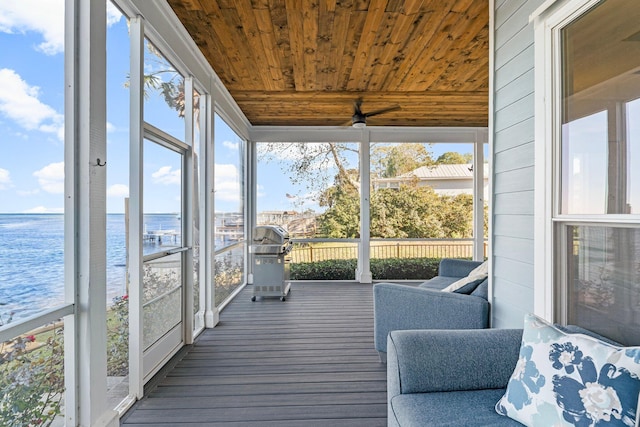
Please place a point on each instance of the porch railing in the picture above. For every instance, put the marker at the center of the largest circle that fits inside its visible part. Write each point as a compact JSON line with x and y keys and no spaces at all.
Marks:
{"x":314,"y":250}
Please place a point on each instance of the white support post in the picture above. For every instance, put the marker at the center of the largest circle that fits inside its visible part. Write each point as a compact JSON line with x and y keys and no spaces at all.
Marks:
{"x":211,"y":314}
{"x":363,"y":272}
{"x":136,"y":225}
{"x":85,"y":215}
{"x":204,"y":223}
{"x":478,"y":198}
{"x":188,"y":212}
{"x":251,"y":199}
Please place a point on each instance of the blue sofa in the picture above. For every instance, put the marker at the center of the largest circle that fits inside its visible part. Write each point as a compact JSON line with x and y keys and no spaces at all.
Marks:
{"x":399,"y":307}
{"x":449,"y":378}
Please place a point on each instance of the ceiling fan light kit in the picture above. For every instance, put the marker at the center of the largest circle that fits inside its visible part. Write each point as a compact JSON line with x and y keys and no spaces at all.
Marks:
{"x":358,"y":121}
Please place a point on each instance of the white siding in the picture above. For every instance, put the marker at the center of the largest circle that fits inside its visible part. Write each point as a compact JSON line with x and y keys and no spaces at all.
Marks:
{"x":513,"y":162}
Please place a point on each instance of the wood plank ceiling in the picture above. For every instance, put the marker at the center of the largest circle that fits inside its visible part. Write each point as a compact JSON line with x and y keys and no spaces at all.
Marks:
{"x":305,"y":62}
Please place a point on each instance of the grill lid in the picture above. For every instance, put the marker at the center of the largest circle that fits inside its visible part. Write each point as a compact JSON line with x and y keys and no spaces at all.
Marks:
{"x":270,"y":235}
{"x":270,"y":240}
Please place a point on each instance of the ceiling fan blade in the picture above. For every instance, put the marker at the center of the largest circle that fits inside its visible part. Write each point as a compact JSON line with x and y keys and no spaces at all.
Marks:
{"x":356,"y":107}
{"x":382,"y":110}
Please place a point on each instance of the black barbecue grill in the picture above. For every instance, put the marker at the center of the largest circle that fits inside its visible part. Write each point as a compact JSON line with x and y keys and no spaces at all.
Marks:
{"x":269,"y":251}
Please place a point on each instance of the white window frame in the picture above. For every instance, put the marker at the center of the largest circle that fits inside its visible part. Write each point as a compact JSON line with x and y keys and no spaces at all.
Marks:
{"x":549,"y":226}
{"x":85,"y":215}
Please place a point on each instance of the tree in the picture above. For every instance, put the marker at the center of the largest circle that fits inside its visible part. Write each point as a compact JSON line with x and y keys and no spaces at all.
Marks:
{"x":168,"y":82}
{"x":342,"y":218}
{"x":388,"y":161}
{"x":313,"y":164}
{"x":454,"y":158}
{"x":410,"y":211}
{"x":456,"y":216}
{"x":405,"y":212}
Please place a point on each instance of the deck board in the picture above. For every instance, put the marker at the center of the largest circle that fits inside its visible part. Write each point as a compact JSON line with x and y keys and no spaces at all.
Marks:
{"x":309,"y":361}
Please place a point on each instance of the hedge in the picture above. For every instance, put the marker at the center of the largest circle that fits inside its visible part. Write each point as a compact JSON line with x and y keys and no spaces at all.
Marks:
{"x":381,"y":269}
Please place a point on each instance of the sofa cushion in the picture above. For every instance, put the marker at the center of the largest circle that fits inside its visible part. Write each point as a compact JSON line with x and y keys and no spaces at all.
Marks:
{"x":456,"y":267}
{"x":571,"y":379}
{"x":470,"y":281}
{"x":469,"y":287}
{"x":482,"y":290}
{"x":453,"y":408}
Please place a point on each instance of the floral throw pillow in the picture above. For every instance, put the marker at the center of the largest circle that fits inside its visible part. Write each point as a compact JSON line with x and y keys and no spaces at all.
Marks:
{"x":571,"y":380}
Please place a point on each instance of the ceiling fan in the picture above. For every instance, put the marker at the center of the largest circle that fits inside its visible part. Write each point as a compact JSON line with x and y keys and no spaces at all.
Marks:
{"x":359,"y":119}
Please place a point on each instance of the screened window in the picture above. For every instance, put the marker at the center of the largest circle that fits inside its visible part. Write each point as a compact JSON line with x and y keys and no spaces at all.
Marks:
{"x":597,"y":222}
{"x":229,"y":200}
{"x":312,"y":189}
{"x":422,"y":197}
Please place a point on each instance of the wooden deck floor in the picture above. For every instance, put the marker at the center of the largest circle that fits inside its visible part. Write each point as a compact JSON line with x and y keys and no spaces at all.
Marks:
{"x":308,"y":361}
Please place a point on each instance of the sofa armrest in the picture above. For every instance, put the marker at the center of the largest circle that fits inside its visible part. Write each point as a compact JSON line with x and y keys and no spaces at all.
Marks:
{"x":425,"y":361}
{"x":453,"y":267}
{"x":398,"y":307}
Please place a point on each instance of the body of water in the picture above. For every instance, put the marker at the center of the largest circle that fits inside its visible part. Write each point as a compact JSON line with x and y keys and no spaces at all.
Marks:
{"x":32,"y":259}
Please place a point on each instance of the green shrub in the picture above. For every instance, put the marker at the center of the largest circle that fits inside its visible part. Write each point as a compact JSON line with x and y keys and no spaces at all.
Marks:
{"x":404,"y":268}
{"x":118,"y":337}
{"x":381,"y":269}
{"x":338,"y":269}
{"x":32,"y":380}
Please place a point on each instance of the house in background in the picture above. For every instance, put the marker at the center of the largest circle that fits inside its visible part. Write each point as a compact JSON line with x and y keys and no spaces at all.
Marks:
{"x":449,"y":180}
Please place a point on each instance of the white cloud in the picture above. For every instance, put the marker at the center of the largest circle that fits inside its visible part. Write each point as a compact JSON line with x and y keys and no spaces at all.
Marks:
{"x":118,"y":190}
{"x":5,"y":179}
{"x":231,"y":145}
{"x":19,"y":102}
{"x":43,"y":17}
{"x":110,"y":127}
{"x":113,"y":14}
{"x":227,"y":183}
{"x":166,"y":176}
{"x":42,"y":209}
{"x":51,"y":178}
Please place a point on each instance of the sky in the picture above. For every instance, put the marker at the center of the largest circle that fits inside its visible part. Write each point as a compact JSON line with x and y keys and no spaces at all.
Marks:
{"x":32,"y":119}
{"x":31,"y":106}
{"x":32,"y":125}
{"x":586,"y":163}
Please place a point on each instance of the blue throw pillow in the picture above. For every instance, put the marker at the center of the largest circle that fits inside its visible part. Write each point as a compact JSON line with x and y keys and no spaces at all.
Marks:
{"x":571,"y":380}
{"x":469,"y":287}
